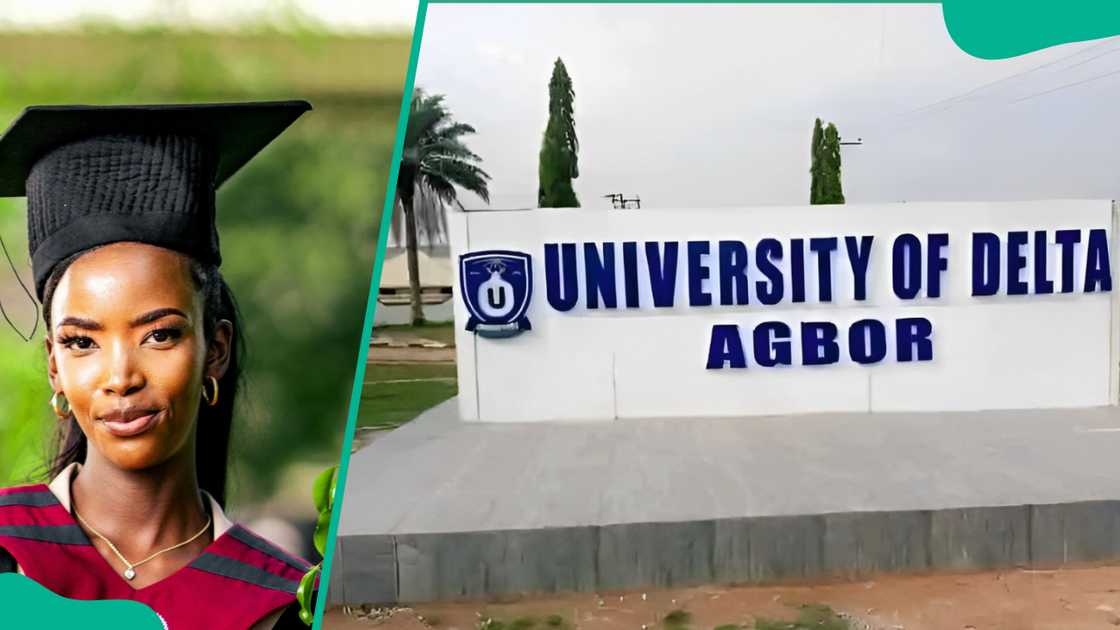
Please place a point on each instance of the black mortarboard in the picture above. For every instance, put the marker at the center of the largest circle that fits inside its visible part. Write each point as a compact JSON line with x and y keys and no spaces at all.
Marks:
{"x":95,"y":175}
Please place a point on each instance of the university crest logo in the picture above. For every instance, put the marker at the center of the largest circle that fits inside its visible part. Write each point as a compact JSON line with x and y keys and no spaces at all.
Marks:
{"x":496,"y":287}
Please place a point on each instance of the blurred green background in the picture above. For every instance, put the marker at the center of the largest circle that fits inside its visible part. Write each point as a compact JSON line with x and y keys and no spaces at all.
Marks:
{"x":298,"y":226}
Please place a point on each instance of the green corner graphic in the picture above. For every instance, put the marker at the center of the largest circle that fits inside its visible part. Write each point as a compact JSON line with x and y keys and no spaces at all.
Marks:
{"x":998,"y":29}
{"x":27,"y":604}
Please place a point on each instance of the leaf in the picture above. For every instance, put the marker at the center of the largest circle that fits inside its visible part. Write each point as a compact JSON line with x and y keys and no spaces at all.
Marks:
{"x":305,"y":595}
{"x":322,"y":528}
{"x":322,"y":491}
{"x":334,"y":483}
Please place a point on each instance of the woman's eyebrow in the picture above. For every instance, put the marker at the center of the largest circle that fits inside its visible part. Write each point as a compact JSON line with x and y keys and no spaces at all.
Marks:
{"x":157,"y":314}
{"x":78,"y":322}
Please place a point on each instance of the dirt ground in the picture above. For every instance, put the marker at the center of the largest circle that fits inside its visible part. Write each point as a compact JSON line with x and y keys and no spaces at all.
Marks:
{"x":1068,"y":599}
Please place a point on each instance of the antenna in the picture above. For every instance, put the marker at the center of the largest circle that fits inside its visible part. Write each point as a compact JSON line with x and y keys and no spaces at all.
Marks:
{"x":620,"y":202}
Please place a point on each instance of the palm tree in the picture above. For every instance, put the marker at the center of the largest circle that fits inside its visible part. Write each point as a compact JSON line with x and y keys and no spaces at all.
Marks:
{"x":434,"y":162}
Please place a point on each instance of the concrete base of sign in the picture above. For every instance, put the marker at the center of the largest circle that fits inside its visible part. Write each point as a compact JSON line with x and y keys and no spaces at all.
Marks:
{"x":442,"y":508}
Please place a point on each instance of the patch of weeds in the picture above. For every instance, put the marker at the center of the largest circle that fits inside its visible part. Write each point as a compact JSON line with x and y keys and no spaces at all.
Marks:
{"x":809,"y":617}
{"x":729,"y":626}
{"x":520,"y":623}
{"x":677,"y":619}
{"x":489,"y":623}
{"x":432,"y":621}
{"x":555,"y":621}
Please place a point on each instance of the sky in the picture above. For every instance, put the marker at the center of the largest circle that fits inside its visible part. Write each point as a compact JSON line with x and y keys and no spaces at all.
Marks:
{"x":337,"y":15}
{"x":713,"y":105}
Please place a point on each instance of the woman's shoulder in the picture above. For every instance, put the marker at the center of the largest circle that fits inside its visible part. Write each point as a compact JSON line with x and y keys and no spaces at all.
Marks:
{"x":249,"y":546}
{"x":241,"y":554}
{"x":20,"y":502}
{"x":266,"y":547}
{"x":28,"y":489}
{"x":21,"y":512}
{"x":252,"y":540}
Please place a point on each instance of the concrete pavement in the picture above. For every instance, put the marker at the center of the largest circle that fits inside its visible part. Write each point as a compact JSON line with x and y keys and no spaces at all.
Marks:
{"x":442,"y":508}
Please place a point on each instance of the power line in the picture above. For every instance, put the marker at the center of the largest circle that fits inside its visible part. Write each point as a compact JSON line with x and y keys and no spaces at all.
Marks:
{"x":1094,"y":57}
{"x":965,"y":95}
{"x":1067,"y":85}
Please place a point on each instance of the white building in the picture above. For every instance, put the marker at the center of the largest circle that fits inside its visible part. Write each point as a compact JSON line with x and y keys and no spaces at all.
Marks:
{"x":436,"y":278}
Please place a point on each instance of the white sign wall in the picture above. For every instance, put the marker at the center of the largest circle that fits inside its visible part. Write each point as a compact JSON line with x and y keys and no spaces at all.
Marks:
{"x":639,"y":360}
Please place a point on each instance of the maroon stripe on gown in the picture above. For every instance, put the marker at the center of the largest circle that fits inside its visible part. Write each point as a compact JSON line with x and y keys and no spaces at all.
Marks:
{"x":238,"y":580}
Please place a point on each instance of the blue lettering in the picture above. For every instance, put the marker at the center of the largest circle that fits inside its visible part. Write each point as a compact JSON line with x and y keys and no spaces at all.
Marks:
{"x":985,"y":263}
{"x":911,"y":333}
{"x":907,"y":269}
{"x":1042,"y":284}
{"x":1098,"y":276}
{"x":818,"y":343}
{"x":1016,"y":262}
{"x":726,"y":348}
{"x":797,"y":269}
{"x":630,"y":273}
{"x":599,"y":275}
{"x":936,"y":262}
{"x":772,"y":344}
{"x":1067,"y":240}
{"x":824,"y":247}
{"x":698,"y":272}
{"x":867,"y":341}
{"x":733,"y":273}
{"x":662,"y":273}
{"x":562,"y":298}
{"x":768,"y":250}
{"x":859,"y":254}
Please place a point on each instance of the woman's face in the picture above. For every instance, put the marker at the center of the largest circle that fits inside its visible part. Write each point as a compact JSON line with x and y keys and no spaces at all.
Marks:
{"x":127,"y":348}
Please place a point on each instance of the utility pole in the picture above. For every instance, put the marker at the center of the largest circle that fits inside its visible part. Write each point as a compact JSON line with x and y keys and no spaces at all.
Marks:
{"x":621,"y":202}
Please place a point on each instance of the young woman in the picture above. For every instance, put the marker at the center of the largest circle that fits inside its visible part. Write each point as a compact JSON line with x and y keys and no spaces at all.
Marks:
{"x":143,"y":348}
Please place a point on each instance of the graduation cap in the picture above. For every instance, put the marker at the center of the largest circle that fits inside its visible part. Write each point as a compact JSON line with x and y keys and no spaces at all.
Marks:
{"x":95,"y":175}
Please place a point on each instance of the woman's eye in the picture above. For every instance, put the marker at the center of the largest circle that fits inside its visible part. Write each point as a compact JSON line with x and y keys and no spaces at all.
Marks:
{"x":77,"y":343}
{"x":164,"y":335}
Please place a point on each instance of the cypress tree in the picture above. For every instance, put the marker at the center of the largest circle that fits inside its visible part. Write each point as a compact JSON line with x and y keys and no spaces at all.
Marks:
{"x":558,"y":161}
{"x":815,"y":166}
{"x":826,"y":186}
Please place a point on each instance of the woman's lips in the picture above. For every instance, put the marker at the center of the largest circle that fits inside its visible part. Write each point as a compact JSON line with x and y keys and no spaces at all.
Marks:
{"x":130,"y":423}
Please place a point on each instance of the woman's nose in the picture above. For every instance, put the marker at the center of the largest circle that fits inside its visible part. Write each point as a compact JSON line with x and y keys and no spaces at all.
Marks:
{"x":122,"y":375}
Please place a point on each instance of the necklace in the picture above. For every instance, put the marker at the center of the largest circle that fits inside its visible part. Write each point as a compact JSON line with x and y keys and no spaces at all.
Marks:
{"x":130,"y":570}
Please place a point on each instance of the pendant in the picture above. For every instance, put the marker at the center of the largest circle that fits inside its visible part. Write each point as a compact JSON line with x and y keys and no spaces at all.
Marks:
{"x":129,"y":573}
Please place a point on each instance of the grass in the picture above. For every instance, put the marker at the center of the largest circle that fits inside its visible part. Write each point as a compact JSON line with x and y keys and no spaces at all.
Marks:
{"x":387,"y":405}
{"x":381,"y":372}
{"x":809,"y":617}
{"x":677,"y":619}
{"x":551,"y":622}
{"x":394,"y":393}
{"x":436,"y":331}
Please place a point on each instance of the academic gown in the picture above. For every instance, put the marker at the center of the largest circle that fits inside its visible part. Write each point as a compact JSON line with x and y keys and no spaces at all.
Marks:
{"x":240,"y":581}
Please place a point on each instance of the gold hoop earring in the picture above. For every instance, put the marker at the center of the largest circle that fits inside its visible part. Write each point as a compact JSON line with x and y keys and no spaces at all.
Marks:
{"x":60,"y":405}
{"x":211,"y":399}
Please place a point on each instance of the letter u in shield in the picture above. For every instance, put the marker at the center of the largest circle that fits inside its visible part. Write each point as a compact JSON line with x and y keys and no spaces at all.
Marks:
{"x":496,"y":286}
